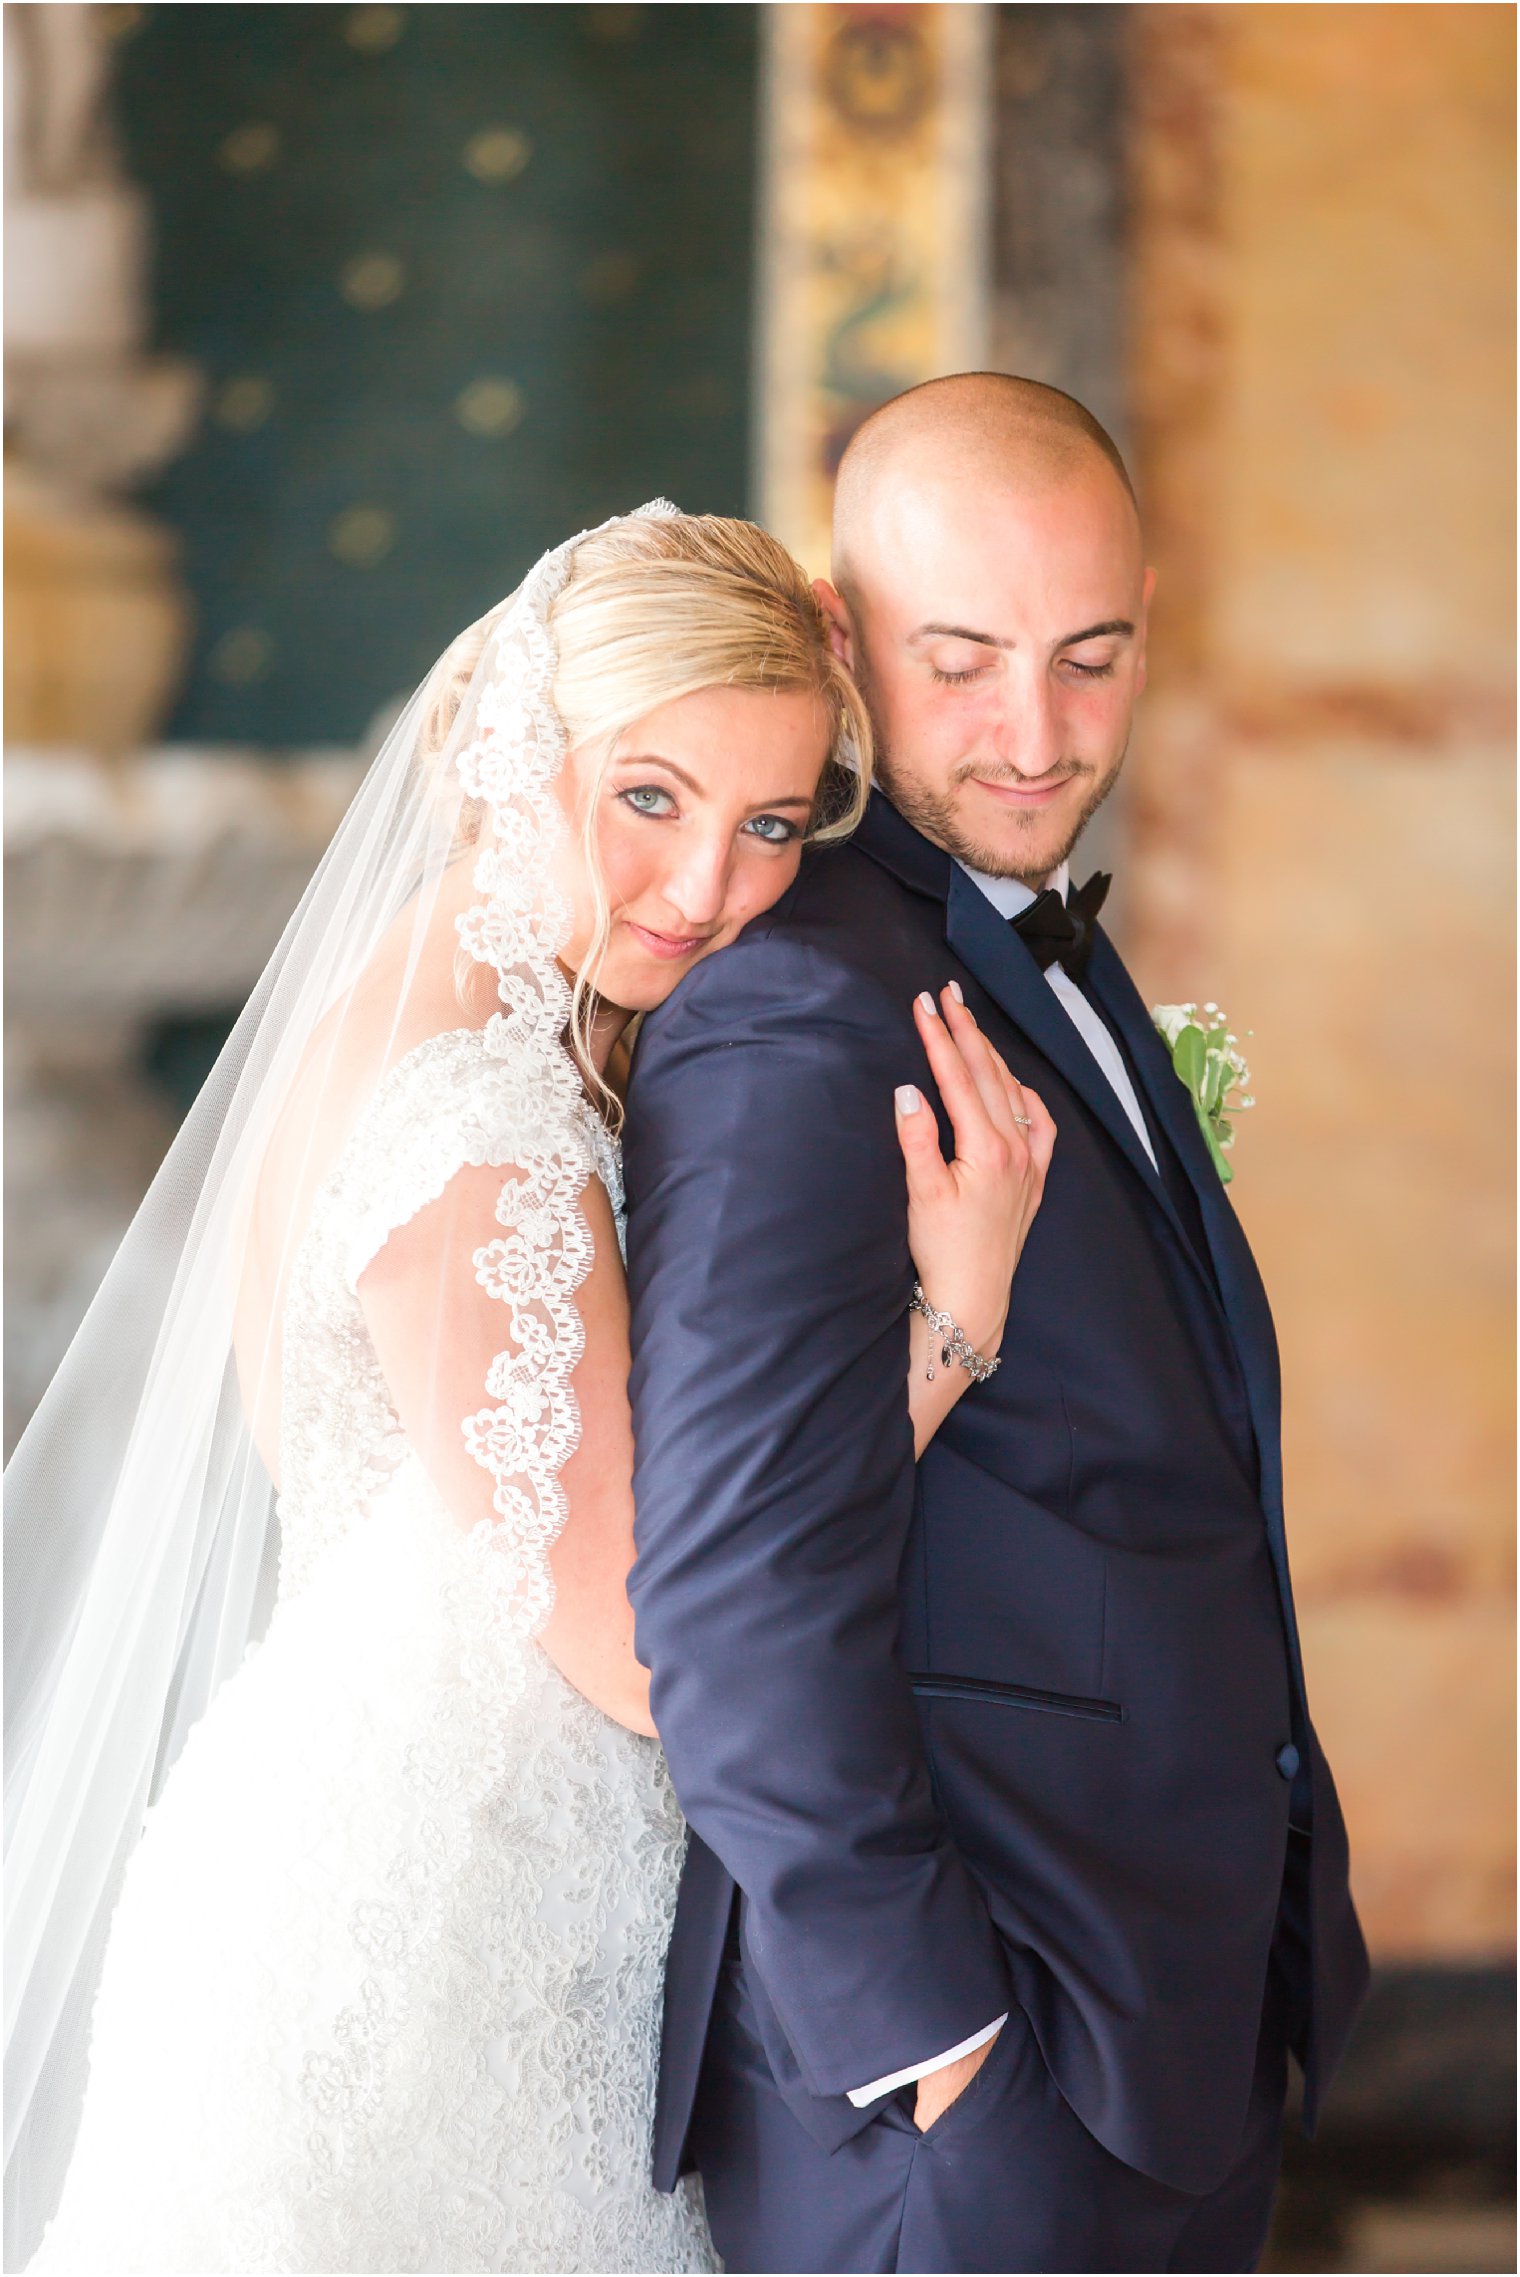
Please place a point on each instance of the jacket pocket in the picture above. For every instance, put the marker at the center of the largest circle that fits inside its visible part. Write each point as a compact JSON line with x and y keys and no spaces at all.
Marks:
{"x":1008,"y":1582}
{"x":932,"y":1687}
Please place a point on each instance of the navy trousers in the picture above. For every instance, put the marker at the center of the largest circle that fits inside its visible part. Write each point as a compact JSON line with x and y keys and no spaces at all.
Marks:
{"x":1007,"y":2180}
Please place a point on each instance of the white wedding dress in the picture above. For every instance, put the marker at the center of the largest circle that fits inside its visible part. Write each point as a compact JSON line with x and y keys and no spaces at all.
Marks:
{"x":383,"y":1989}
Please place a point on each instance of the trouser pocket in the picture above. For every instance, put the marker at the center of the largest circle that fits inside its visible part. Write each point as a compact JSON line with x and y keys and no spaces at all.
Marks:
{"x":1015,"y":2041}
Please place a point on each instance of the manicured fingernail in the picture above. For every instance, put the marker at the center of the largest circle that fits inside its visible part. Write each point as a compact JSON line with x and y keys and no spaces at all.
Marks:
{"x":908,"y":1100}
{"x":929,"y":1005}
{"x":955,"y":990}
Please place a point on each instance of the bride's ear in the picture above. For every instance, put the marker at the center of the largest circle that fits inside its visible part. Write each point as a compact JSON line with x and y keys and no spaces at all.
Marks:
{"x":841,"y":633}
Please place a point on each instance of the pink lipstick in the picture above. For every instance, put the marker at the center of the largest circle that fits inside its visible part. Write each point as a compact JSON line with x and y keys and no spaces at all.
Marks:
{"x":667,"y":945}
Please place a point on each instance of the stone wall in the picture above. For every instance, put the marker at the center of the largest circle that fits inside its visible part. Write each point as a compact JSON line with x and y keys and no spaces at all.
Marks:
{"x":1321,"y":811}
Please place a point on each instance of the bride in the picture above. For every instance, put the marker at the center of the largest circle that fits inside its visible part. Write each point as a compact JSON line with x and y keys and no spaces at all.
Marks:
{"x":344,"y":1952}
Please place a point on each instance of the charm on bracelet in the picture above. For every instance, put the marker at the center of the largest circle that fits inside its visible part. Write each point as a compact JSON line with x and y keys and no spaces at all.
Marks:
{"x":952,"y":1341}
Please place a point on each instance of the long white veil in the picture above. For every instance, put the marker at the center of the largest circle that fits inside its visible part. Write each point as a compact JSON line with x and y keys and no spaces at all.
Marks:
{"x":141,"y":1532}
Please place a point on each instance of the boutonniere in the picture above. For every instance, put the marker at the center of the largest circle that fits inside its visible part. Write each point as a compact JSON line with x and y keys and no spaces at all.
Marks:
{"x":1204,"y":1053}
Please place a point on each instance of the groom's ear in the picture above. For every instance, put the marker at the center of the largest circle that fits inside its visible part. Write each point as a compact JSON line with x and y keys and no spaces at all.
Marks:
{"x":1143,"y":673}
{"x":841,"y":632}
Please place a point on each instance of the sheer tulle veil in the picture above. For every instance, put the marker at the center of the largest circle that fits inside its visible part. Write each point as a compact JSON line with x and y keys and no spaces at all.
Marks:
{"x":141,"y":1529}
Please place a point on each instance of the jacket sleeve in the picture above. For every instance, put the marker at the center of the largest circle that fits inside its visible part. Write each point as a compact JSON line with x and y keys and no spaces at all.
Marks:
{"x":769,"y":1274}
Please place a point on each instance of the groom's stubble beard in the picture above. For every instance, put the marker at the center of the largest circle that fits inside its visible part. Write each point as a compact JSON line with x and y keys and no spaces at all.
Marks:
{"x":934,"y":814}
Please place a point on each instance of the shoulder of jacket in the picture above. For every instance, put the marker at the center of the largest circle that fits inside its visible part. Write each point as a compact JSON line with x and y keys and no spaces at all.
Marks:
{"x":791,"y":968}
{"x":809,"y":992}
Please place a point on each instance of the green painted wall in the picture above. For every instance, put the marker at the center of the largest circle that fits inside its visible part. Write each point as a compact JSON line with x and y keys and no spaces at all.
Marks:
{"x":462,"y":279}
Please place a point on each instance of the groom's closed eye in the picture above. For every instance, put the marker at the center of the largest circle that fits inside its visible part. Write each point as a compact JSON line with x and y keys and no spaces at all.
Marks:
{"x":955,"y":663}
{"x":1097,"y":664}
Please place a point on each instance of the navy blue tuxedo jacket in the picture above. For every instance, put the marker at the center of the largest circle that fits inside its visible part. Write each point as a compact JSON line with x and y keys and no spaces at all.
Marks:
{"x":1022,"y":1727}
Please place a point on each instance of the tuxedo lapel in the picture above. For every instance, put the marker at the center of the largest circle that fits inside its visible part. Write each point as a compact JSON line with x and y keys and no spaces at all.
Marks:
{"x":1240,"y":1284}
{"x":990,"y":948}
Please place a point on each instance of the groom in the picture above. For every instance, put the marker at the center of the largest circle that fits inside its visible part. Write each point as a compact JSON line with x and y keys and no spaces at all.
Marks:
{"x":1016,"y":1867}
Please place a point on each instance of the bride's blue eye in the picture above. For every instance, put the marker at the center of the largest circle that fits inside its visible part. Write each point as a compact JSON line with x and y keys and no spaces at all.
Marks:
{"x":772,"y":829}
{"x":648,"y":798}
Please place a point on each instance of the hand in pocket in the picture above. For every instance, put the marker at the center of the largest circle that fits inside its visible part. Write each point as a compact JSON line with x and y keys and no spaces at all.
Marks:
{"x":940,"y":2090}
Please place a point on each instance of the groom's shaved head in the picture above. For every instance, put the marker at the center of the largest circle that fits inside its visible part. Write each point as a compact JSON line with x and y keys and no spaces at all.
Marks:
{"x":961,"y":434}
{"x":990,"y":597}
{"x":965,"y":431}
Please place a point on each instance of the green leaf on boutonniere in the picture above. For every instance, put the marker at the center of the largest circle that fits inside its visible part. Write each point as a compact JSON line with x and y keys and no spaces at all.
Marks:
{"x":1189,"y":1057}
{"x":1207,"y":1063}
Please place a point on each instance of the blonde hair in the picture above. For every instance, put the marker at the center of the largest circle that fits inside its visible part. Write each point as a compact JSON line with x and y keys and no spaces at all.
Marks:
{"x":659,"y":609}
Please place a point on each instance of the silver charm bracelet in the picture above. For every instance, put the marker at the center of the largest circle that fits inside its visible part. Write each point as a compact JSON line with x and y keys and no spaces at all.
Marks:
{"x":953,"y":1344}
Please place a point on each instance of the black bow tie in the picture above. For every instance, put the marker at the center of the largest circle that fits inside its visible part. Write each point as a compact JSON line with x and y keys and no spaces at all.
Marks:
{"x":1062,"y":932}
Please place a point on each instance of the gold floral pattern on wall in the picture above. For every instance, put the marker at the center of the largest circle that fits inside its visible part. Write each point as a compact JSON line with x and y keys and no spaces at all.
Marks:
{"x":874,"y":254}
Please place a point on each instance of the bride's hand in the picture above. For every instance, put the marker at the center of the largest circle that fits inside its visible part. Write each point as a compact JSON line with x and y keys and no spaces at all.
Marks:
{"x":968,"y":1219}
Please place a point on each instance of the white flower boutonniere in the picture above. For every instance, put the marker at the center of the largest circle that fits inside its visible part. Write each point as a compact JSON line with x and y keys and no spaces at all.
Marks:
{"x":1204,"y":1053}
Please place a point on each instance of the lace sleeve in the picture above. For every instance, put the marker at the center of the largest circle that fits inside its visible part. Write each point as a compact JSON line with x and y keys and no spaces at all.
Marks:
{"x":467,"y":1232}
{"x":445,"y":1106}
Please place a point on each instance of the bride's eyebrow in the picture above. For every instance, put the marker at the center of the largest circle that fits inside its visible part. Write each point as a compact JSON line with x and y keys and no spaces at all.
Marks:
{"x":653,"y":759}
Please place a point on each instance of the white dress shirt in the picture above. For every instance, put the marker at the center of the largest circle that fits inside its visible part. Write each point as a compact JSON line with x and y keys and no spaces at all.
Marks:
{"x":1008,"y":896}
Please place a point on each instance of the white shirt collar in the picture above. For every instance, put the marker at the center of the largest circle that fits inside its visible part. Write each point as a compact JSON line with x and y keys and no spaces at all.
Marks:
{"x":1009,"y":895}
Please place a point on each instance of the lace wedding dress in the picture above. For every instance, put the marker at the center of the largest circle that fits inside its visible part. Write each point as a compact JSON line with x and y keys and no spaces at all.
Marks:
{"x":412,"y":1893}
